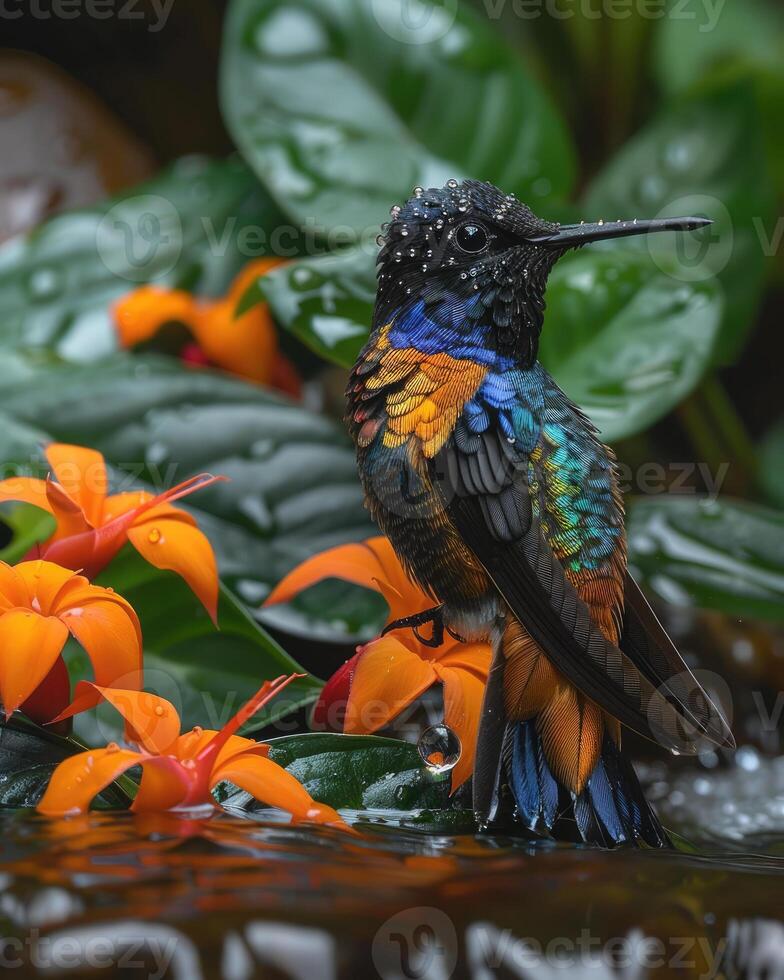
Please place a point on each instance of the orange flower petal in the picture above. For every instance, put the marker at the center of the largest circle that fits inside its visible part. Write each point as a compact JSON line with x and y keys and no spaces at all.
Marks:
{"x":108,"y":629}
{"x":68,"y":513}
{"x":25,"y":489}
{"x":190,"y":744}
{"x":141,"y":314}
{"x":123,"y":503}
{"x":152,"y":721}
{"x":164,"y":785}
{"x":371,"y":563}
{"x":81,"y":472}
{"x":29,"y":646}
{"x":388,"y":677}
{"x":77,"y":780}
{"x":475,"y":657}
{"x":46,"y":582}
{"x":245,"y":345}
{"x":463,"y":696}
{"x":271,"y":784}
{"x":13,"y":589}
{"x":178,"y":546}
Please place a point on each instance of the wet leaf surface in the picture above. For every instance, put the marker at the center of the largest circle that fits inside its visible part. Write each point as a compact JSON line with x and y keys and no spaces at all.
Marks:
{"x":342,"y":108}
{"x":361,"y":772}
{"x":705,"y":156}
{"x":182,"y":229}
{"x":625,"y":341}
{"x":726,"y":555}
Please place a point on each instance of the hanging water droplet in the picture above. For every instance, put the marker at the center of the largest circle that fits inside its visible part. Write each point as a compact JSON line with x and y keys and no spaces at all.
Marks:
{"x":439,"y":748}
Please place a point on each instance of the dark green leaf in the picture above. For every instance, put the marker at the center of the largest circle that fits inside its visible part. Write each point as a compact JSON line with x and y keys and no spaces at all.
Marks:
{"x":359,"y":772}
{"x":724,"y":555}
{"x":771,"y":463}
{"x":706,"y":156}
{"x":625,"y":341}
{"x":28,"y":757}
{"x":186,"y":228}
{"x":342,"y":108}
{"x":207,"y":674}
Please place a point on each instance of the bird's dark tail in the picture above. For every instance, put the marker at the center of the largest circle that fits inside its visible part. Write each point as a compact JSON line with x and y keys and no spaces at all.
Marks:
{"x":611,"y":809}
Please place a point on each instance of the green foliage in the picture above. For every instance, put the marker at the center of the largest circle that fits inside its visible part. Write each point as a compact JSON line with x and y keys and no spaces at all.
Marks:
{"x":725,"y":555}
{"x":183,"y":229}
{"x":624,"y":340}
{"x":340,"y":114}
{"x":701,"y":156}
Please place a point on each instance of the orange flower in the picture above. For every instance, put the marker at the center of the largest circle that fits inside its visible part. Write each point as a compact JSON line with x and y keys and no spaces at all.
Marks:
{"x":92,"y":526}
{"x":244,"y":345}
{"x":178,"y":770}
{"x":390,"y":672}
{"x":40,"y":604}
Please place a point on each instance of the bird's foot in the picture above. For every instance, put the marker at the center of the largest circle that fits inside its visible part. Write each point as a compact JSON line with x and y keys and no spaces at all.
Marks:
{"x":434,"y":616}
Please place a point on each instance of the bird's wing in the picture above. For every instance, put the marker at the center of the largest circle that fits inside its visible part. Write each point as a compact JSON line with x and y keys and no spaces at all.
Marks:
{"x":486,"y":487}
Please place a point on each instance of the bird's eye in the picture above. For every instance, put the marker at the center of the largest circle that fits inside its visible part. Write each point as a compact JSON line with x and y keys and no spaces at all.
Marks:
{"x":471,"y":237}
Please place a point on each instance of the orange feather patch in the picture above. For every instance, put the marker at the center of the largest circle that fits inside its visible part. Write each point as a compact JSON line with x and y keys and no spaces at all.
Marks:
{"x":427,"y":405}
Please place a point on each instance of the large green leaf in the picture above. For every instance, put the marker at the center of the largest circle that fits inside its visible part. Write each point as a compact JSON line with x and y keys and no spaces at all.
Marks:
{"x":342,"y":107}
{"x":624,"y":340}
{"x":293,"y":488}
{"x":358,"y":772}
{"x":723,"y":555}
{"x":189,"y":228}
{"x":28,"y":757}
{"x":703,"y":155}
{"x":206,"y":673}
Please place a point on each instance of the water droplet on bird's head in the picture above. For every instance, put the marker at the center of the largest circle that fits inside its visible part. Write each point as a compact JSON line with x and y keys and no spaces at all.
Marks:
{"x":439,"y":748}
{"x":451,"y":183}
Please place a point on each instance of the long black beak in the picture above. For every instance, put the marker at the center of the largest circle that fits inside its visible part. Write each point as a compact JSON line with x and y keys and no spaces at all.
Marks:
{"x":573,"y":236}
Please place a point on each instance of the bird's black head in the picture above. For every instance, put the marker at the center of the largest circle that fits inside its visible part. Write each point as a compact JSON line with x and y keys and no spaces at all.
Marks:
{"x":475,"y":255}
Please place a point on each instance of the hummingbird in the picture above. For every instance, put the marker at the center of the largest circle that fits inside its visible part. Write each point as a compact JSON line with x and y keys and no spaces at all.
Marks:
{"x":504,"y":506}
